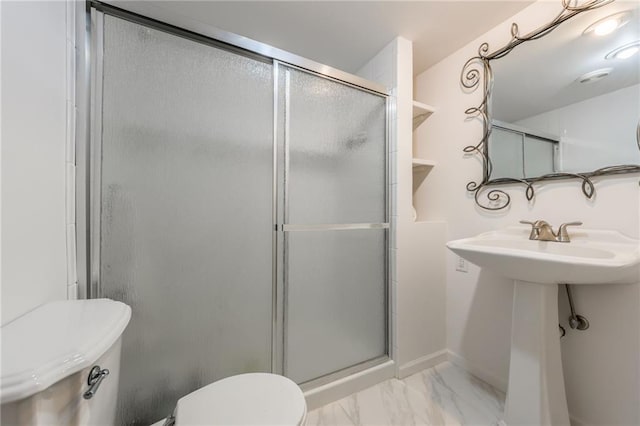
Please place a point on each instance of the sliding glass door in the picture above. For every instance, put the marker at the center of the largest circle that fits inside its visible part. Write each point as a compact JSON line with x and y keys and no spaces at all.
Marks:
{"x":239,"y":206}
{"x":186,"y":212}
{"x":335,"y":222}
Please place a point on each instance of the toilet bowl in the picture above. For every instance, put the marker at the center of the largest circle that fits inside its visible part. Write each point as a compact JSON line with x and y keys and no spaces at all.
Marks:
{"x":246,"y":399}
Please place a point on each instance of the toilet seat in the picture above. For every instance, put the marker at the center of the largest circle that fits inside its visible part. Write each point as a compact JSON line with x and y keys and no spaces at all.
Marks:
{"x":245,"y":399}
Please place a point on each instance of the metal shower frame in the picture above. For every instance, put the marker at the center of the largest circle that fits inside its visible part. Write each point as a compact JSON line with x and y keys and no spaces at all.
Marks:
{"x":88,"y":130}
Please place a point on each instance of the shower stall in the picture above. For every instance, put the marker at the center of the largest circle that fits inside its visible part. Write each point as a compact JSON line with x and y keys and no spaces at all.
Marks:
{"x":238,"y":203}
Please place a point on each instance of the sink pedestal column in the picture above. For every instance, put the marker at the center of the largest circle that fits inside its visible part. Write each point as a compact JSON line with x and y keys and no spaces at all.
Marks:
{"x":536,"y":394}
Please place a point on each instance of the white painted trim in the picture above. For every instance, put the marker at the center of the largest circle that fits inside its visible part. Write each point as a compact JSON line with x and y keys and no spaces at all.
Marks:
{"x":325,"y":394}
{"x":422,"y":363}
{"x":483,"y":374}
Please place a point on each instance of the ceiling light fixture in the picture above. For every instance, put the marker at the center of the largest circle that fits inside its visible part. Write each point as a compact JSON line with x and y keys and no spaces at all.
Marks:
{"x":608,"y":24}
{"x":593,"y":76}
{"x":624,"y":52}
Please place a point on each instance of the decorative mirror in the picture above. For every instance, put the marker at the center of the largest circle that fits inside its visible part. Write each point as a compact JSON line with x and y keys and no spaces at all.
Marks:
{"x":561,"y":102}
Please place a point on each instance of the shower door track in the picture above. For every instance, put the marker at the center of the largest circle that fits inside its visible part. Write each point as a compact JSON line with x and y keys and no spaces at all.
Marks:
{"x":185,"y":27}
{"x":88,"y":188}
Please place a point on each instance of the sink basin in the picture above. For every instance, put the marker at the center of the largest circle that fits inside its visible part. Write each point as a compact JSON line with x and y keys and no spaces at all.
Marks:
{"x":536,"y":394}
{"x":592,"y":256}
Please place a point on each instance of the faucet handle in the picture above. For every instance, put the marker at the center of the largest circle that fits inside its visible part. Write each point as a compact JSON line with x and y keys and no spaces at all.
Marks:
{"x":535,"y":228}
{"x":563,"y":235}
{"x":535,"y":223}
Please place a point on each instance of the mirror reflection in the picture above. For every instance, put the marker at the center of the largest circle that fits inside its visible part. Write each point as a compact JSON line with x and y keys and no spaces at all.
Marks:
{"x":570,"y":101}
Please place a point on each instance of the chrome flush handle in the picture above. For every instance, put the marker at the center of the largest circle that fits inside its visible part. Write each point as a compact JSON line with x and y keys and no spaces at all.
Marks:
{"x":96,"y":376}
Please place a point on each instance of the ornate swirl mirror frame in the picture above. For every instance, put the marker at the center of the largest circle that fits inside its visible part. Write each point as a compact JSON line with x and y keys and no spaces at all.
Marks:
{"x":477,"y":70}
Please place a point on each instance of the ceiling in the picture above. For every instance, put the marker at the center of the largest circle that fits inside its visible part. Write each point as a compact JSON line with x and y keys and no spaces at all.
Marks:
{"x":540,"y":75}
{"x":346,"y":34}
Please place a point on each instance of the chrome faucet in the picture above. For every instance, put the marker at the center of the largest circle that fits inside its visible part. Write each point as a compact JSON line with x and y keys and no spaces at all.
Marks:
{"x":542,"y":231}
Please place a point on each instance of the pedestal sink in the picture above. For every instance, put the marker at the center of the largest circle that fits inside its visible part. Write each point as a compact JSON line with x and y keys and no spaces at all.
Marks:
{"x":536,"y":393}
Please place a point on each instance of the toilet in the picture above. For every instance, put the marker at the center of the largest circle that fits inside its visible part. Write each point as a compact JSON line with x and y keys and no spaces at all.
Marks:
{"x":245,"y":399}
{"x":61,"y":364}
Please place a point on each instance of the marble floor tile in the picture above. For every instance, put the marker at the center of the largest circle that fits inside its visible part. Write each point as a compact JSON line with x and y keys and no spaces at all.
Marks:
{"x":443,"y":395}
{"x":330,"y":414}
{"x":472,"y":389}
{"x":388,"y":403}
{"x":457,"y":397}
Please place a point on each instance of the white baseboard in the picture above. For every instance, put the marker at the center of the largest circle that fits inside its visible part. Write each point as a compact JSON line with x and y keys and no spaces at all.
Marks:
{"x":422,"y":363}
{"x":491,"y":377}
{"x":325,"y":394}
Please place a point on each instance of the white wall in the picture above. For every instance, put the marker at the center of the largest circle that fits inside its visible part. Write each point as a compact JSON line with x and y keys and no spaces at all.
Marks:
{"x":602,"y":364}
{"x":596,"y":132}
{"x":34,"y":154}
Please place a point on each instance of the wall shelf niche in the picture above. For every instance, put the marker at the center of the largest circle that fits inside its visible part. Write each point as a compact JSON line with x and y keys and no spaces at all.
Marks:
{"x":420,"y":113}
{"x":421,"y":167}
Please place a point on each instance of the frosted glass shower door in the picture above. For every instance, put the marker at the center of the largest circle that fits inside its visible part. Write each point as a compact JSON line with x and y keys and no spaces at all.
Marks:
{"x":335,"y":221}
{"x":186,"y":212}
{"x":505,"y":150}
{"x":539,"y":156}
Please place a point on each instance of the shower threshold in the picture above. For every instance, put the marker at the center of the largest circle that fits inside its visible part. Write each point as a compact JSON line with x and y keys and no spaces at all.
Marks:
{"x":343,"y":383}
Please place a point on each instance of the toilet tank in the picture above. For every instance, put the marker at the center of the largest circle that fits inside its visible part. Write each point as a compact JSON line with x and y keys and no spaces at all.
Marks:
{"x":47,"y":356}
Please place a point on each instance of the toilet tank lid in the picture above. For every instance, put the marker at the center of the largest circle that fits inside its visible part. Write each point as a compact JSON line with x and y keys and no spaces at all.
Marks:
{"x":56,"y":340}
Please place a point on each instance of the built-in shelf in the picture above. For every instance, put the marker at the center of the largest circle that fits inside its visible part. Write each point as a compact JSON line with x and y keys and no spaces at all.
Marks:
{"x":420,"y":164}
{"x":420,"y":113}
{"x":421,"y":167}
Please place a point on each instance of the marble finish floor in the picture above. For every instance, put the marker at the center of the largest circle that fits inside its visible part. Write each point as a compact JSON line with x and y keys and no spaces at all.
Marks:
{"x":442,"y":395}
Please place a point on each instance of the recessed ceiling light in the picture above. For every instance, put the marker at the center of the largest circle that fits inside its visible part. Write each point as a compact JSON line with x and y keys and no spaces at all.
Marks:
{"x":593,"y":76}
{"x":606,"y":27}
{"x":608,"y":24}
{"x":624,"y":52}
